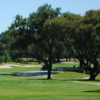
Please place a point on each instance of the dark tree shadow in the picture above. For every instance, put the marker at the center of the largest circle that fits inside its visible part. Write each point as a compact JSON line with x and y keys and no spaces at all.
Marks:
{"x":78,"y":80}
{"x":48,"y":79}
{"x":83,"y":80}
{"x":12,"y":74}
{"x":92,"y":91}
{"x":37,"y":79}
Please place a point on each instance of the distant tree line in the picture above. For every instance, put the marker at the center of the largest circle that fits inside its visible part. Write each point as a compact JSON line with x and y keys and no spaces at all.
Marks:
{"x":48,"y":34}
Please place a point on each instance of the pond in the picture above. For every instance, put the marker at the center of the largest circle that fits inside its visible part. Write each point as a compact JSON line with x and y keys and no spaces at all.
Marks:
{"x":38,"y":73}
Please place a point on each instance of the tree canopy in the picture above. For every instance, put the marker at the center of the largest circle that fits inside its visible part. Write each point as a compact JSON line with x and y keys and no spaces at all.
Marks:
{"x":48,"y":34}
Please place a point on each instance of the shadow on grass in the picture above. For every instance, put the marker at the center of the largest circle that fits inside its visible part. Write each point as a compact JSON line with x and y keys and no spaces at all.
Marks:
{"x":78,"y":80}
{"x":47,"y":79}
{"x":13,"y":74}
{"x":83,"y":80}
{"x":92,"y":91}
{"x":38,"y":79}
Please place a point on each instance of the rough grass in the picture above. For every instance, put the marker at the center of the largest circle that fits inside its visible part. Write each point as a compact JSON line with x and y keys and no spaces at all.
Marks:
{"x":38,"y":88}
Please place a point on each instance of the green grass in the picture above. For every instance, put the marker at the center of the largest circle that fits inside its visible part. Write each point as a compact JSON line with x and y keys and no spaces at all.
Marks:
{"x":64,"y":65}
{"x":38,"y":88}
{"x":70,"y":75}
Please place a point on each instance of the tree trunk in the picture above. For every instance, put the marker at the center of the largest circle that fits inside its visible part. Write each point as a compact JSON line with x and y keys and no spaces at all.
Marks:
{"x":49,"y":73}
{"x":54,"y":61}
{"x":39,"y":61}
{"x":81,"y":64}
{"x":66,"y":58}
{"x":92,"y":77}
{"x":49,"y":68}
{"x":69,"y":57}
{"x":58,"y":59}
{"x":50,"y":63}
{"x":94,"y":72}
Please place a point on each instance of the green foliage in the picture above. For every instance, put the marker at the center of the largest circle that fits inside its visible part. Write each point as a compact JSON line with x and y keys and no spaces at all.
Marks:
{"x":96,"y":36}
{"x":92,"y":17}
{"x":6,"y":56}
{"x":54,"y":28}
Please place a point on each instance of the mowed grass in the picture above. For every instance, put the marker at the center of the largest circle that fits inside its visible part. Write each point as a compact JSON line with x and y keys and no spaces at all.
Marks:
{"x":54,"y":66}
{"x":38,"y":88}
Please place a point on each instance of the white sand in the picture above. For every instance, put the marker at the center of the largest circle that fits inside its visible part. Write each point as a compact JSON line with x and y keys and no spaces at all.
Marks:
{"x":9,"y":65}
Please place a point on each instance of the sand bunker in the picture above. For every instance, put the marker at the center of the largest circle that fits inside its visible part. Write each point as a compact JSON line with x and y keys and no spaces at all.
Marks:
{"x":9,"y":65}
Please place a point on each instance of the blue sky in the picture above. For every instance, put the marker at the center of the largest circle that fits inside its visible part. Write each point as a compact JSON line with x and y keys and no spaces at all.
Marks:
{"x":9,"y":8}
